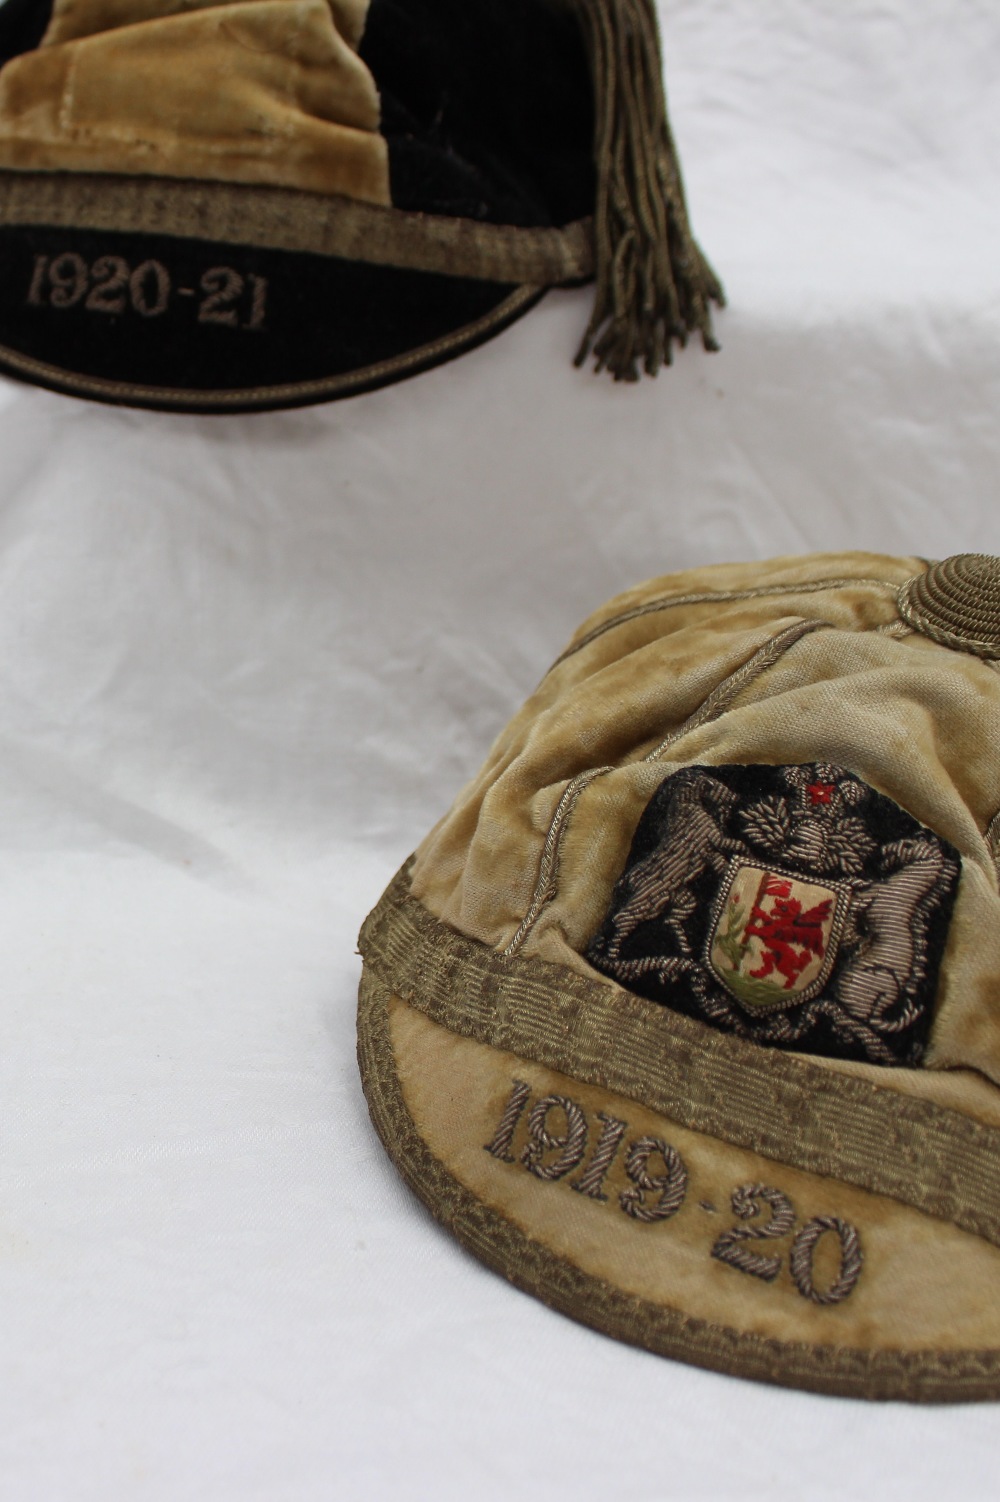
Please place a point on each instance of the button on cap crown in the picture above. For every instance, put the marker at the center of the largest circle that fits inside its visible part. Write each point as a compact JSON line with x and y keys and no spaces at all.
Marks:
{"x":957,"y":603}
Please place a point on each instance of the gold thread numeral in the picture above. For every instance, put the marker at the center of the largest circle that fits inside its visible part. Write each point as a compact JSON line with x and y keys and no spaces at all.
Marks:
{"x":591,"y":1180}
{"x":746,"y":1202}
{"x":671,"y":1185}
{"x":258,"y":302}
{"x":109,"y":286}
{"x":68,"y":280}
{"x":803,"y":1252}
{"x":149,"y":288}
{"x":499,"y":1144}
{"x":569,"y":1145}
{"x":38,"y":280}
{"x":224,"y":287}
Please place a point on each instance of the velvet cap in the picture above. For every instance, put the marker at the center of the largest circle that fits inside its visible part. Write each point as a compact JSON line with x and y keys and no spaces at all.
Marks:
{"x":686,"y":1016}
{"x":230,"y":204}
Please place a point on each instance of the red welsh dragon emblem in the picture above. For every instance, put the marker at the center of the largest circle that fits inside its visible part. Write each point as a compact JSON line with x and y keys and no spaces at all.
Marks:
{"x":772,"y":938}
{"x":789,"y":935}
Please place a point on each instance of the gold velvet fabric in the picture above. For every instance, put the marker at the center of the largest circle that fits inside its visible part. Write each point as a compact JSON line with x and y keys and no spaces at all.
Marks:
{"x":242,"y":91}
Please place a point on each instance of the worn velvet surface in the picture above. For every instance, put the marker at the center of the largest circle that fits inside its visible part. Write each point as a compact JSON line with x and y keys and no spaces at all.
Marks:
{"x":246,"y":91}
{"x":476,"y":110}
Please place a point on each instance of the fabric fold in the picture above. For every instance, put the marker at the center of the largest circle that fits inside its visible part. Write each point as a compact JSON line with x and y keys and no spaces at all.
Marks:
{"x":253,"y":91}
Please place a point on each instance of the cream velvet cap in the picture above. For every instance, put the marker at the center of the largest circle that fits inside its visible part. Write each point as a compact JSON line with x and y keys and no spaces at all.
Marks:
{"x":686,"y":1017}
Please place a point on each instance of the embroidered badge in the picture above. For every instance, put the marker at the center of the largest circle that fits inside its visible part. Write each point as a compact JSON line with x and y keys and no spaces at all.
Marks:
{"x":792,"y":905}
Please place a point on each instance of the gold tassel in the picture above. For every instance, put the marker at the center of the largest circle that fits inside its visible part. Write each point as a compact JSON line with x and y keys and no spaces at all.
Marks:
{"x":654,"y":285}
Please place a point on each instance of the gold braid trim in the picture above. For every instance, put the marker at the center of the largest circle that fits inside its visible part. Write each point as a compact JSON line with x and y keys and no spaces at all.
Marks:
{"x":288,"y":219}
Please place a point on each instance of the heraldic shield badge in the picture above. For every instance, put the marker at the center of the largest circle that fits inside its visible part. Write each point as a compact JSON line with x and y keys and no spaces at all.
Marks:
{"x":792,"y":905}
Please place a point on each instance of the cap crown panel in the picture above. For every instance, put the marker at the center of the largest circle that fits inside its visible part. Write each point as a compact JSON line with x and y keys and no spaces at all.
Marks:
{"x":912,"y":720}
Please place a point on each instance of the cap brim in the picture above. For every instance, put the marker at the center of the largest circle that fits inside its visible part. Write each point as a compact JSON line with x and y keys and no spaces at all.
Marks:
{"x":676,"y":1188}
{"x":194,"y":325}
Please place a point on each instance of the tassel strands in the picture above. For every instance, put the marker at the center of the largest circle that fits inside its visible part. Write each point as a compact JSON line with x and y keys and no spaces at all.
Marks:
{"x":654,"y":286}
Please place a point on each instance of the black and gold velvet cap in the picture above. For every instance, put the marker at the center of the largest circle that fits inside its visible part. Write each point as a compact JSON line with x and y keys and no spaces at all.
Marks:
{"x":233,"y":204}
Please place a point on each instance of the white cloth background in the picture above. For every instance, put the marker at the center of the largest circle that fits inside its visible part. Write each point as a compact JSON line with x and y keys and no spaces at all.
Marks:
{"x":246,"y":662}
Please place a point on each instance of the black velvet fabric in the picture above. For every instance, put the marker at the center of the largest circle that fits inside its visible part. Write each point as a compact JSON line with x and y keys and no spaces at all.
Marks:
{"x":22,"y":26}
{"x":487,"y":108}
{"x":322,"y":317}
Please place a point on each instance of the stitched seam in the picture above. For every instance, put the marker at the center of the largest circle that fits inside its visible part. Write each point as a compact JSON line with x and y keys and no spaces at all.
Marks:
{"x":716,"y":704}
{"x":992,"y":838}
{"x":548,"y":871}
{"x":718,"y":597}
